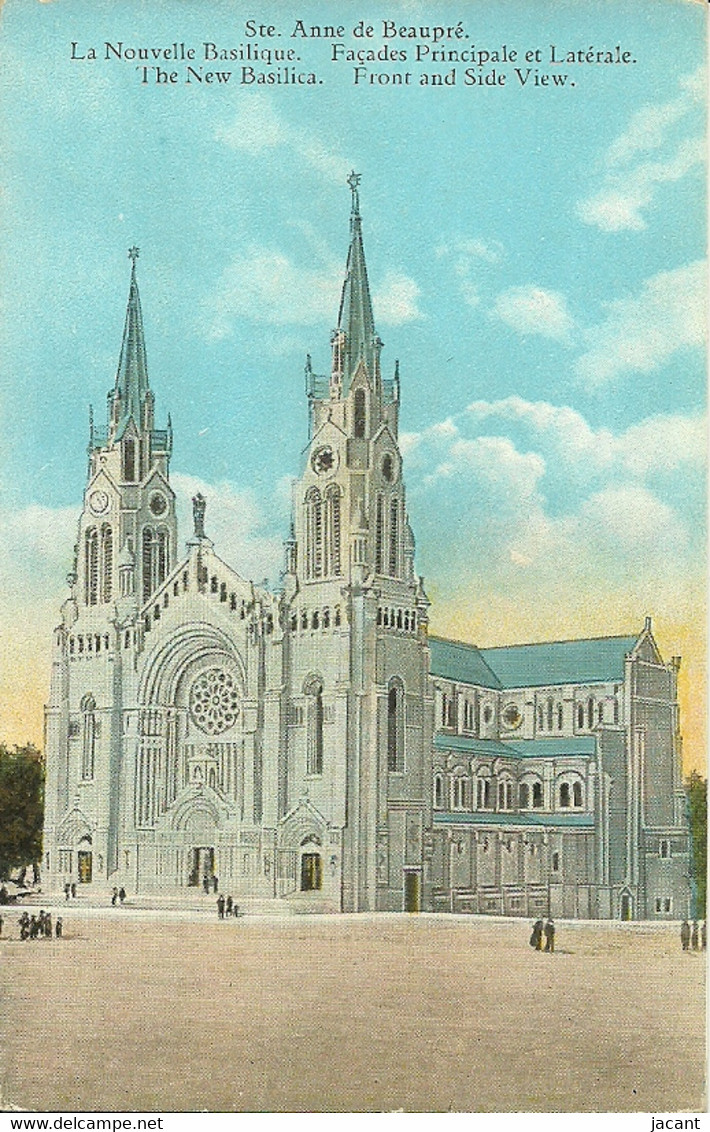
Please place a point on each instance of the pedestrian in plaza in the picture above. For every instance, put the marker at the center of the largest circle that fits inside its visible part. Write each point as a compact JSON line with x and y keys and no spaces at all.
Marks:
{"x":59,"y":928}
{"x":220,"y":906}
{"x":34,"y":927}
{"x":48,"y":926}
{"x":73,"y":890}
{"x":694,"y":937}
{"x":235,"y":910}
{"x":550,"y":935}
{"x":24,"y":923}
{"x":114,"y":897}
{"x":685,"y":935}
{"x":67,"y":890}
{"x":228,"y":906}
{"x":215,"y":882}
{"x":206,"y":885}
{"x":536,"y":937}
{"x":122,"y":894}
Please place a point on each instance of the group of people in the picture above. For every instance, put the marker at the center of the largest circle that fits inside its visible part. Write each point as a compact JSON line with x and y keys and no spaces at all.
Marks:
{"x":118,"y":896}
{"x":38,"y":927}
{"x":226,"y":907}
{"x":693,"y":938}
{"x":541,"y":929}
{"x":70,"y":890}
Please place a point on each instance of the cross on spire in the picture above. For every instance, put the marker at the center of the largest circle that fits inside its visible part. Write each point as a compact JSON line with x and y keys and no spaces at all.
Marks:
{"x":133,"y":254}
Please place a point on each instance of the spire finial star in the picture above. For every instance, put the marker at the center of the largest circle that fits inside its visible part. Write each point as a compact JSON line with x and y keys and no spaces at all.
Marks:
{"x":133,"y":254}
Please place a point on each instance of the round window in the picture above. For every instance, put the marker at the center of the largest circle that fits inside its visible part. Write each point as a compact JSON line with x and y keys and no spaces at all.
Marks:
{"x":511,"y":716}
{"x":158,"y":503}
{"x":214,"y":701}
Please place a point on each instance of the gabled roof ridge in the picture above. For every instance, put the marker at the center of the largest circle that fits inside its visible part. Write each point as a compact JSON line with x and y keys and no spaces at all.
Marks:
{"x":563,"y":641}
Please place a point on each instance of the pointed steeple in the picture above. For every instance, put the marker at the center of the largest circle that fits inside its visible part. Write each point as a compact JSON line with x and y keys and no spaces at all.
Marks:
{"x":131,"y":389}
{"x":355,"y":319}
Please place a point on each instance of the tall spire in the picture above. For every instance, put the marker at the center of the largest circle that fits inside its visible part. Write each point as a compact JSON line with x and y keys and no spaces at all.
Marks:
{"x":132,"y":376}
{"x":355,"y":318}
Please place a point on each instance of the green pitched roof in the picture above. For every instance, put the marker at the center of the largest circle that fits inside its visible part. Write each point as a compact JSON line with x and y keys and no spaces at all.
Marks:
{"x":355,"y":315}
{"x":132,"y":375}
{"x":461,"y":663}
{"x":518,"y":748}
{"x":599,"y":659}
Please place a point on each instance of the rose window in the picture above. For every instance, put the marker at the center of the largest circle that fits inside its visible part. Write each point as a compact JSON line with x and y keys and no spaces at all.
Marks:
{"x":214,"y":701}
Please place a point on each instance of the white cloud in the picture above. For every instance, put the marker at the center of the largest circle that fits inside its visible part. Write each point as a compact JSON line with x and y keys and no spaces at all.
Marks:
{"x":642,"y":331}
{"x":649,"y":153}
{"x":533,"y":310}
{"x":469,"y":257}
{"x":395,"y":300}
{"x":620,"y":202}
{"x":258,"y":128}
{"x":267,"y":287}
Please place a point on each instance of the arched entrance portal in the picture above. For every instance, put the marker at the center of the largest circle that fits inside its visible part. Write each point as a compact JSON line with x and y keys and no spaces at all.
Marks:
{"x":626,"y":906}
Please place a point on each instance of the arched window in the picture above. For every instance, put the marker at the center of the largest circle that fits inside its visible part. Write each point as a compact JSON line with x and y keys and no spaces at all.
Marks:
{"x":333,"y":520}
{"x":549,"y":715}
{"x":314,"y":752}
{"x":524,"y":801}
{"x":148,"y":539}
{"x":559,"y":717}
{"x":580,"y":716}
{"x":616,"y":710}
{"x":88,"y":708}
{"x":129,"y":459}
{"x":539,"y":717}
{"x":577,"y":793}
{"x":483,"y":793}
{"x":379,"y":534}
{"x":314,"y":534}
{"x":395,"y":726}
{"x":564,"y":795}
{"x":91,"y":566}
{"x":359,"y":413}
{"x":537,"y":795}
{"x":438,"y":791}
{"x":106,"y":562}
{"x":394,"y":538}
{"x":600,"y":712}
{"x":590,"y":712}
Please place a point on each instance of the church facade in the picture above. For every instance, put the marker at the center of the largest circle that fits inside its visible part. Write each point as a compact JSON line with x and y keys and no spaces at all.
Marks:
{"x":317,"y":745}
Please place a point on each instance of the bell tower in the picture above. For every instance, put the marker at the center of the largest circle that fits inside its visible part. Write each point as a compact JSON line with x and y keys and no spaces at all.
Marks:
{"x":357,"y":615}
{"x":126,"y":545}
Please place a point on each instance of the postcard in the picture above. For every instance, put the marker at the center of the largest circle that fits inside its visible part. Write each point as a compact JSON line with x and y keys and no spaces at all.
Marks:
{"x":353,"y":664}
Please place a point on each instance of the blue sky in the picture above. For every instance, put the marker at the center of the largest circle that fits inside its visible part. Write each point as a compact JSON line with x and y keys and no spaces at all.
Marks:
{"x":537,"y":262}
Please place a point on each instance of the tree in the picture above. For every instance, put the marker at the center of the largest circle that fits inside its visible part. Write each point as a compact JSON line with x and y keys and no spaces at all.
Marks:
{"x":21,"y":807}
{"x":697,"y":788}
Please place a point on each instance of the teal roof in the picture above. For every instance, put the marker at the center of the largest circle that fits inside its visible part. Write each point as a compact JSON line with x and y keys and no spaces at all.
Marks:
{"x":355,"y":315}
{"x":519,"y":749}
{"x":512,"y":818}
{"x":599,"y":659}
{"x":491,"y":747}
{"x":461,"y":663}
{"x":132,"y":376}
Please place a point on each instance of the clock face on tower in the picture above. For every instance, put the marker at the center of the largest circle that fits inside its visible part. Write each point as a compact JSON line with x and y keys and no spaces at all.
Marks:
{"x":323,"y":460}
{"x":158,"y":503}
{"x":99,"y":502}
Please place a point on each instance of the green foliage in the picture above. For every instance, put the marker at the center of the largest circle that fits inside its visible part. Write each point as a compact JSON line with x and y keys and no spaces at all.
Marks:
{"x":697,"y":788}
{"x":21,"y":807}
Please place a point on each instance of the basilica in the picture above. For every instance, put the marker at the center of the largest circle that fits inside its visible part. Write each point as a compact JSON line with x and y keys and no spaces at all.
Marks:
{"x":316,"y":746}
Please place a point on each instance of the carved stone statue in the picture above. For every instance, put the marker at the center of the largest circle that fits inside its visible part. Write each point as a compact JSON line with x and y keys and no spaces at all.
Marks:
{"x":199,"y":506}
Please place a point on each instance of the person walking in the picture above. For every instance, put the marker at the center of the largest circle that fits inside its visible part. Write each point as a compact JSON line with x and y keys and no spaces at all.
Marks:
{"x":536,"y":937}
{"x":220,"y":906}
{"x":694,"y":937}
{"x":59,"y":928}
{"x":67,"y":890}
{"x":114,"y":897}
{"x":550,"y":935}
{"x":48,"y":926}
{"x":228,"y":906}
{"x":121,"y":894}
{"x":685,"y":935}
